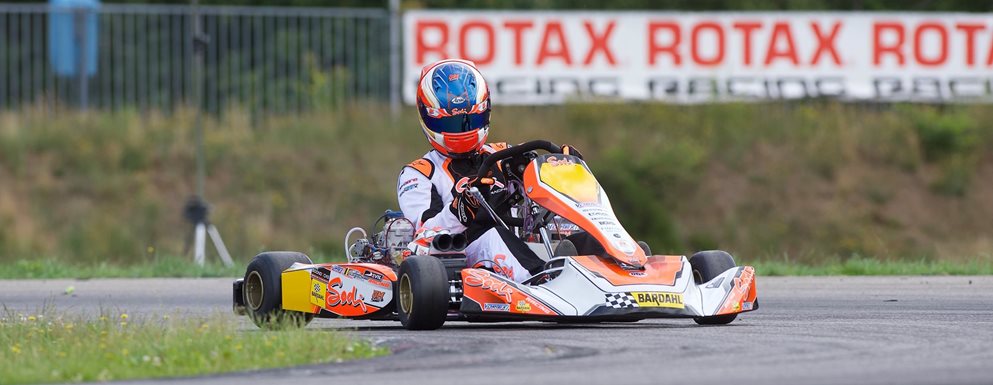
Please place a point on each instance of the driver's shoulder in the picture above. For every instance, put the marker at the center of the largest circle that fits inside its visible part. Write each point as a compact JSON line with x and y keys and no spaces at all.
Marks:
{"x":425,"y":164}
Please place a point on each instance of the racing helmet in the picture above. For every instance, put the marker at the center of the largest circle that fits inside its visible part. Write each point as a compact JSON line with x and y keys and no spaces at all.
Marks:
{"x":453,"y":102}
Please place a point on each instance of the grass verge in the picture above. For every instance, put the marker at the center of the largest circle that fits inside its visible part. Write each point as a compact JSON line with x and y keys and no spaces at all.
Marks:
{"x":47,"y":347}
{"x":172,"y":267}
{"x":868,"y":266}
{"x":182,"y":268}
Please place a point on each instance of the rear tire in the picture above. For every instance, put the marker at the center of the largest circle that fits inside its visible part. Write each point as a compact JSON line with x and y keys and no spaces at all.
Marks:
{"x":263,"y":290}
{"x":707,"y":265}
{"x":422,"y":293}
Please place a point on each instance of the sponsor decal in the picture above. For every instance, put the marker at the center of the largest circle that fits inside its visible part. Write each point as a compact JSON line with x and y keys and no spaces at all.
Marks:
{"x":485,"y":281}
{"x":377,"y":295}
{"x":373,"y":275}
{"x":496,"y":307}
{"x":338,"y":269}
{"x":522,"y":306}
{"x":540,"y":306}
{"x":336,"y":296}
{"x":636,"y":273}
{"x":321,"y":274}
{"x":739,"y":291}
{"x":355,"y":274}
{"x":458,"y":99}
{"x":318,"y":292}
{"x":501,"y":267}
{"x":408,"y":188}
{"x":669,"y":300}
{"x":554,"y":161}
{"x":453,"y":77}
{"x":746,"y":306}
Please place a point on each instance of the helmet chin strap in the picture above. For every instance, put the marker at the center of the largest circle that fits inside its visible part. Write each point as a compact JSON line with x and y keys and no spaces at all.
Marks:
{"x":461,"y":155}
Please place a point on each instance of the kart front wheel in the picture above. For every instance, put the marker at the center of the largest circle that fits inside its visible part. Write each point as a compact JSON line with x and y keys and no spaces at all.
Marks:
{"x":707,"y":265}
{"x":422,"y":293}
{"x":264,"y":294}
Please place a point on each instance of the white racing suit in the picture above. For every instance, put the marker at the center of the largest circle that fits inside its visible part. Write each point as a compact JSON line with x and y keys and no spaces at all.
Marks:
{"x":425,"y":190}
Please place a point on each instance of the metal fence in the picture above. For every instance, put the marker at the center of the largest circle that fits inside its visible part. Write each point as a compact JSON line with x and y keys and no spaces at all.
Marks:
{"x":267,"y":60}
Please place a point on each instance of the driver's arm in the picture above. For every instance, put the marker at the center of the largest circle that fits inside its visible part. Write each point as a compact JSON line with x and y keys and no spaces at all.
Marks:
{"x":422,"y":204}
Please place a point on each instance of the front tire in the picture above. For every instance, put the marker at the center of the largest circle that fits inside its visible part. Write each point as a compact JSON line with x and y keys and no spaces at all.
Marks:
{"x":264,"y":294}
{"x":422,"y":293}
{"x":707,"y":265}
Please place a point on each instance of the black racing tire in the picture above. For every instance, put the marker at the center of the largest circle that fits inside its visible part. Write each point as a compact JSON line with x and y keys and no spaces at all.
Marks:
{"x":264,"y":293}
{"x":707,"y":265}
{"x":645,"y":248}
{"x":565,"y":248}
{"x":422,"y":293}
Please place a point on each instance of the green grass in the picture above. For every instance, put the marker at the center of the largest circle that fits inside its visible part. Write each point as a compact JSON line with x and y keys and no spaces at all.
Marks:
{"x":163,"y":267}
{"x":807,"y":179}
{"x":160,"y":267}
{"x":869,"y":266}
{"x":49,"y":347}
{"x":183,"y":268}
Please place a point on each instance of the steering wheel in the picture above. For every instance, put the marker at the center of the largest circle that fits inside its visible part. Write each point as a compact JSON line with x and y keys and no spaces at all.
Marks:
{"x":515,"y":151}
{"x":517,"y":156}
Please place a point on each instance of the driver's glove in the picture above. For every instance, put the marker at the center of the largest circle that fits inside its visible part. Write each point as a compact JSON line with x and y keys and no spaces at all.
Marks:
{"x":464,"y":206}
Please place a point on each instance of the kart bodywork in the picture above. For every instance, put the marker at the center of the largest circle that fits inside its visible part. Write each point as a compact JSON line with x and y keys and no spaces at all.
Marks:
{"x":623,"y":283}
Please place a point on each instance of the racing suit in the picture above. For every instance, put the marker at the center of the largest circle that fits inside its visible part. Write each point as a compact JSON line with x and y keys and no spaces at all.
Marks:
{"x":425,"y":190}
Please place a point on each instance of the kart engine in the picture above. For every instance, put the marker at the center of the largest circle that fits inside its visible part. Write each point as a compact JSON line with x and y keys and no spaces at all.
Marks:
{"x":387,"y":247}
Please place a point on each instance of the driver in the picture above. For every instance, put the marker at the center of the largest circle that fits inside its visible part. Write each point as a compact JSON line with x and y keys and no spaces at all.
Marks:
{"x":453,"y":102}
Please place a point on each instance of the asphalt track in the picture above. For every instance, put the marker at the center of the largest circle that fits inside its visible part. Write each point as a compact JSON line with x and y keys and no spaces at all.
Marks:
{"x":824,"y":330}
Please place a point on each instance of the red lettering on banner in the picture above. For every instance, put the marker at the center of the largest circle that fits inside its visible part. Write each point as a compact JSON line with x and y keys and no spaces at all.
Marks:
{"x":781,"y":30}
{"x":464,"y":40}
{"x":518,"y":28}
{"x":423,"y":47}
{"x":655,"y":48}
{"x":893,"y":48}
{"x":546,"y":52}
{"x":825,"y":43}
{"x":989,"y":56}
{"x":746,"y":29}
{"x":970,"y":31}
{"x":919,"y":46}
{"x":695,"y":40}
{"x":598,"y":43}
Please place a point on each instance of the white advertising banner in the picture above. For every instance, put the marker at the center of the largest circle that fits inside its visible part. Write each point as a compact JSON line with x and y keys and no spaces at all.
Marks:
{"x":553,"y":57}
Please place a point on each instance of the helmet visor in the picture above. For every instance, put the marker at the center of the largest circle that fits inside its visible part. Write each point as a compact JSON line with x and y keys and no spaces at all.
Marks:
{"x":457,"y":123}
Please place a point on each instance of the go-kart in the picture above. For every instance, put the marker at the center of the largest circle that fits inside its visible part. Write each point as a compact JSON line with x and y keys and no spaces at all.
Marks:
{"x":554,"y":197}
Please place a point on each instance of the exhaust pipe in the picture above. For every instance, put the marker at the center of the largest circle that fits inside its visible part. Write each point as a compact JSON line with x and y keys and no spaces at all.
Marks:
{"x":442,"y":242}
{"x":459,"y":242}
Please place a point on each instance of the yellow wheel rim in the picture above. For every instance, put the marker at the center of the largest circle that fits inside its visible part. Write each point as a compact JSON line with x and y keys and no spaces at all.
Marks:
{"x":253,"y":290}
{"x":406,"y":294}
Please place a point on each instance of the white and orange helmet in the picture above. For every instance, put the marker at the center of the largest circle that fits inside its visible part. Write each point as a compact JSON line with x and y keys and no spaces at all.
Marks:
{"x":453,"y":102}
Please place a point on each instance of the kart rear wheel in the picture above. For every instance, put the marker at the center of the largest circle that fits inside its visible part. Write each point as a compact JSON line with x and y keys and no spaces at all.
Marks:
{"x":422,"y":293}
{"x":264,"y":294}
{"x":707,"y":265}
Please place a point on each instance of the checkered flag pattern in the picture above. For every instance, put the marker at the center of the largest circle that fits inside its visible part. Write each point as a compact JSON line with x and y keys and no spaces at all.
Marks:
{"x":621,"y":300}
